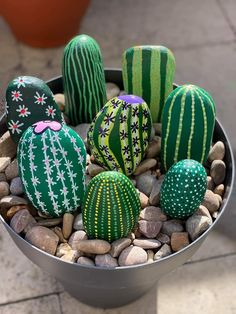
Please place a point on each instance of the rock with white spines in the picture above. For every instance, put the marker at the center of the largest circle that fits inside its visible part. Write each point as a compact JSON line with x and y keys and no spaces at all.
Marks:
{"x":52,"y":159}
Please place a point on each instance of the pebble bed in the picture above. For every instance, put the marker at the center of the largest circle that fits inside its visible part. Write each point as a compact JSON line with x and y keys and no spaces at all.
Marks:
{"x":156,"y":235}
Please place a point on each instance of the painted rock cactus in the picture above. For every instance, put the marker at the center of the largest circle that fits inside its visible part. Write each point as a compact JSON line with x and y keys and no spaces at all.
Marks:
{"x":183,"y":189}
{"x":188,"y":122}
{"x":51,"y":159}
{"x":120,"y":133}
{"x":148,"y":71}
{"x":111,"y":206}
{"x":29,"y":100}
{"x":83,"y":79}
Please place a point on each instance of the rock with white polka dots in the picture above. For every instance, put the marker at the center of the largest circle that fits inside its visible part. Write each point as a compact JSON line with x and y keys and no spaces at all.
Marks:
{"x":183,"y":189}
{"x":29,"y":100}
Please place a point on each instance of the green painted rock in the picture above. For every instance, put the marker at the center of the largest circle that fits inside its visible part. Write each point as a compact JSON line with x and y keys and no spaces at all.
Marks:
{"x":148,"y":71}
{"x":51,"y":159}
{"x":188,"y":122}
{"x":83,"y":79}
{"x":29,"y":100}
{"x":183,"y":189}
{"x":120,"y":133}
{"x":111,"y":206}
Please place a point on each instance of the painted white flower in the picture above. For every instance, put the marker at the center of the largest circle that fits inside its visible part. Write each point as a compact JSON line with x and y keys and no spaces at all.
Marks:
{"x":64,"y":190}
{"x":81,"y":159}
{"x":73,"y":140}
{"x":35,"y":180}
{"x":66,"y":202}
{"x":20,"y":81}
{"x":24,"y":111}
{"x":38,"y":194}
{"x":68,"y":163}
{"x":76,"y":198}
{"x":50,"y":111}
{"x":64,"y":153}
{"x":66,"y":131}
{"x":33,"y":167}
{"x":40,"y":100}
{"x":57,"y":162}
{"x":61,"y":175}
{"x":6,"y":108}
{"x":16,"y":95}
{"x":78,"y":149}
{"x":15,"y":126}
{"x":49,"y":181}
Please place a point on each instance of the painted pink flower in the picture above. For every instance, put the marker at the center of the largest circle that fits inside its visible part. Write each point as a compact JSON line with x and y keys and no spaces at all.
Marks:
{"x":16,"y":95}
{"x":23,"y":111}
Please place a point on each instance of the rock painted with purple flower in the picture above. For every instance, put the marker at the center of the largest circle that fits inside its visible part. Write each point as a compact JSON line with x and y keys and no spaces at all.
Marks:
{"x":119,"y":134}
{"x":52,"y":160}
{"x":29,"y":100}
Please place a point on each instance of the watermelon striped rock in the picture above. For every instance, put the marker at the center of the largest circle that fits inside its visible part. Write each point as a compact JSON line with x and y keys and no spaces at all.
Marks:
{"x":120,"y":133}
{"x":51,"y":159}
{"x":111,"y":206}
{"x":83,"y":79}
{"x":148,"y":71}
{"x":188,"y":122}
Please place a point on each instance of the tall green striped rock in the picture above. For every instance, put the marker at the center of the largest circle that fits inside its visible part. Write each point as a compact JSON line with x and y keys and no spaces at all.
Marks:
{"x":148,"y":71}
{"x":83,"y":79}
{"x":111,"y":206}
{"x":120,"y":133}
{"x":28,"y":100}
{"x":183,"y":189}
{"x":188,"y":122}
{"x":51,"y":159}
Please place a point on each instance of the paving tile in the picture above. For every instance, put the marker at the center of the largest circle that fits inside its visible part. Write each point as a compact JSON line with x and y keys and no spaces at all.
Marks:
{"x":212,"y":68}
{"x":20,"y":278}
{"x":118,"y":26}
{"x":205,"y":287}
{"x":45,"y":305}
{"x":147,"y":304}
{"x":229,"y":9}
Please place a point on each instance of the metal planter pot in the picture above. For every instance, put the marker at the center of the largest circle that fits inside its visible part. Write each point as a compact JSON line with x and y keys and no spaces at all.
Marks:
{"x":107,"y":288}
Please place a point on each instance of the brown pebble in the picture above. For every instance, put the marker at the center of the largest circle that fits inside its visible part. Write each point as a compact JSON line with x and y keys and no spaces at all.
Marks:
{"x":143,"y":199}
{"x":59,"y":233}
{"x":11,"y":200}
{"x":67,"y":225}
{"x":63,"y":249}
{"x":154,"y":147}
{"x":43,"y":238}
{"x":119,"y":245}
{"x":60,"y":100}
{"x":132,"y":255}
{"x":150,"y":256}
{"x":219,"y":189}
{"x":12,"y":170}
{"x":106,"y":260}
{"x":218,"y":171}
{"x":163,"y":238}
{"x":152,"y":213}
{"x":203,"y":211}
{"x":4,"y":162}
{"x":145,"y":165}
{"x":71,"y":256}
{"x":76,"y":237}
{"x":210,"y":183}
{"x":94,"y":246}
{"x":217,"y":151}
{"x":7,"y":146}
{"x":211,"y":201}
{"x":4,"y":189}
{"x":150,"y":229}
{"x":171,"y":226}
{"x":147,"y":243}
{"x":50,"y":222}
{"x":14,"y":209}
{"x":164,"y":251}
{"x":179,"y":240}
{"x":85,"y":261}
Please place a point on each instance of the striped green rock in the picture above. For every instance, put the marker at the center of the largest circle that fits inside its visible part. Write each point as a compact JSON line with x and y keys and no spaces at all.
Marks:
{"x":120,"y":133}
{"x":183,"y":189}
{"x":188,"y":122}
{"x":51,"y":159}
{"x":111,"y":206}
{"x":83,"y":79}
{"x":148,"y":71}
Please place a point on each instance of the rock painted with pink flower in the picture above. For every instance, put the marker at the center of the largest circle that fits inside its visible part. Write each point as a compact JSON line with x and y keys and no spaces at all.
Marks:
{"x":52,"y":159}
{"x":29,"y":100}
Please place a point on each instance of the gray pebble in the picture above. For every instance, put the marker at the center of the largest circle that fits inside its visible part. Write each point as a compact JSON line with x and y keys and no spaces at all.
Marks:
{"x":94,"y":169}
{"x":145,"y":183}
{"x":203,"y":211}
{"x":154,"y":197}
{"x":164,"y":251}
{"x":149,"y":229}
{"x":211,"y":201}
{"x":12,"y":200}
{"x":147,"y":243}
{"x":3,"y":177}
{"x":106,"y":260}
{"x":210,"y":183}
{"x":132,"y":255}
{"x":94,"y":246}
{"x":7,"y":146}
{"x":118,"y":246}
{"x":172,"y":226}
{"x":4,"y":189}
{"x":163,"y":238}
{"x":112,"y":90}
{"x":16,"y":186}
{"x":152,"y":213}
{"x":143,"y":199}
{"x":219,"y":189}
{"x":218,"y":171}
{"x":50,"y":222}
{"x":85,"y":261}
{"x":217,"y":151}
{"x":196,"y":225}
{"x":78,"y":222}
{"x":20,"y":220}
{"x":82,"y":130}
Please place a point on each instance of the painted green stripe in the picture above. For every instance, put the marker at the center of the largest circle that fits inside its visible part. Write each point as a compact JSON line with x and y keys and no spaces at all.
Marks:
{"x":137,"y":71}
{"x":163,"y":63}
{"x":192,"y":124}
{"x":129,"y":62}
{"x":155,"y":85}
{"x":146,"y":79}
{"x":141,"y":119}
{"x":130,"y":138}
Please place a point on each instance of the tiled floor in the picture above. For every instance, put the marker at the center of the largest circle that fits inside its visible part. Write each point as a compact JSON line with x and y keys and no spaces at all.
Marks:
{"x":202,"y":35}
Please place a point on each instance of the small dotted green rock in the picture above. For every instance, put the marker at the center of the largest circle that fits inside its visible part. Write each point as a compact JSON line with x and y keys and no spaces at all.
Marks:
{"x":111,"y":206}
{"x":183,"y":189}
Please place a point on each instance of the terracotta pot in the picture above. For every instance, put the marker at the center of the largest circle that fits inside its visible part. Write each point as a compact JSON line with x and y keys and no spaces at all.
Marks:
{"x":44,"y":23}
